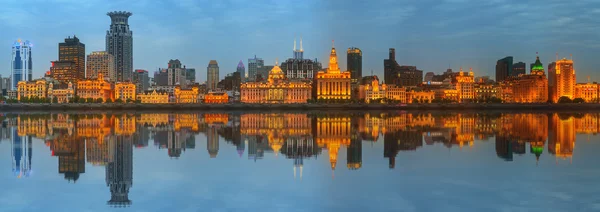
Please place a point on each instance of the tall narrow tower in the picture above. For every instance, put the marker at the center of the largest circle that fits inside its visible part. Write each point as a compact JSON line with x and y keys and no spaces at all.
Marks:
{"x":21,"y":63}
{"x":119,"y":43}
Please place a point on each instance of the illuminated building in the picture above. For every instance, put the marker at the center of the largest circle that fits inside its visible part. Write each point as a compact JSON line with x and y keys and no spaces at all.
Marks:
{"x":212,"y":75}
{"x":141,"y":80}
{"x":518,"y":69}
{"x":125,"y":91}
{"x":95,"y":88}
{"x":587,"y":91}
{"x":504,"y":68}
{"x":64,"y":71}
{"x":332,"y":83}
{"x":298,"y":67}
{"x":394,"y":74}
{"x":176,"y":74}
{"x":119,"y":43}
{"x":333,"y":132}
{"x":465,"y":85}
{"x":101,"y":62}
{"x":354,"y":63}
{"x":153,"y":97}
{"x":21,"y":155}
{"x":354,"y":155}
{"x":74,"y":51}
{"x":186,"y":95}
{"x":277,"y":89}
{"x":254,"y":64}
{"x":372,"y":91}
{"x":447,"y":94}
{"x":561,"y":139}
{"x":420,"y":96}
{"x":485,"y":91}
{"x":216,"y":98}
{"x":506,"y":90}
{"x":531,"y":88}
{"x":396,"y":93}
{"x":119,"y":170}
{"x":21,"y":63}
{"x":565,"y":79}
{"x":31,"y":89}
{"x":61,"y":95}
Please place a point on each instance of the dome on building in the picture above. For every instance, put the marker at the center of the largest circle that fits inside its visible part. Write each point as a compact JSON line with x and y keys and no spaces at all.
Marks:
{"x":276,"y":73}
{"x":537,"y":66}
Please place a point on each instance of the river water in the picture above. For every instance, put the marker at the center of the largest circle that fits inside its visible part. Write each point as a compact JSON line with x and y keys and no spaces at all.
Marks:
{"x":300,"y":161}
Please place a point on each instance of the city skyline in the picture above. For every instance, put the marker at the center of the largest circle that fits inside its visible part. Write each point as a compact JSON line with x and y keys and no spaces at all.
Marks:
{"x":456,"y":33}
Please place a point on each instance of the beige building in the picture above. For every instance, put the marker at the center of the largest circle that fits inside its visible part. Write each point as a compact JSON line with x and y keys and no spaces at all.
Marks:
{"x":564,"y":80}
{"x":30,"y":89}
{"x":63,"y":95}
{"x":276,"y":89}
{"x":100,"y":62}
{"x":465,"y":84}
{"x":95,"y":88}
{"x":333,"y":83}
{"x":153,"y":97}
{"x":125,"y":91}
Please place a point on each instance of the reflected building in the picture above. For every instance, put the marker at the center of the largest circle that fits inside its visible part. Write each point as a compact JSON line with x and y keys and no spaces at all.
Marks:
{"x":21,"y":155}
{"x":561,"y":140}
{"x":354,"y":154}
{"x":119,"y":171}
{"x":212,"y":143}
{"x":332,"y":132}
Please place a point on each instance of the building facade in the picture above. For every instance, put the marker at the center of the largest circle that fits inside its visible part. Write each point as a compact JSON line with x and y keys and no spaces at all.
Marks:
{"x":372,"y":91}
{"x":465,"y":84}
{"x":587,"y":91}
{"x":190,"y":76}
{"x":216,"y":98}
{"x":533,"y":87}
{"x":153,"y":97}
{"x":504,"y":68}
{"x":396,"y":93}
{"x":101,"y":62}
{"x":21,"y":63}
{"x":565,"y":79}
{"x":333,"y":83}
{"x":95,"y":88}
{"x":212,"y":75}
{"x":276,"y":89}
{"x":186,"y":95}
{"x":61,"y":95}
{"x":394,"y":74}
{"x":141,"y":80}
{"x":176,"y":74}
{"x":31,"y":89}
{"x":297,"y":67}
{"x":119,"y":43}
{"x":518,"y":69}
{"x":73,"y":50}
{"x":254,"y":64}
{"x":64,"y":71}
{"x":125,"y":91}
{"x":354,"y":63}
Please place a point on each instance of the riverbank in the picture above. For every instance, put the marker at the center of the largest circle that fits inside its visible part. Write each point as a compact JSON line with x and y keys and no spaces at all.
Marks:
{"x":239,"y":106}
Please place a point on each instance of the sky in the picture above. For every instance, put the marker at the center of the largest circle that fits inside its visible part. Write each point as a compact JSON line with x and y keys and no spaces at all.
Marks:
{"x":430,"y":34}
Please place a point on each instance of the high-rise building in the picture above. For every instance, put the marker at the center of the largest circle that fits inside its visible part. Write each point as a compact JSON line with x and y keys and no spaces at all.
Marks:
{"x":190,"y":75}
{"x":518,"y":68}
{"x":212,"y":145}
{"x":161,"y":77}
{"x":119,"y":171}
{"x":21,"y":155}
{"x":141,"y":80}
{"x":552,"y":81}
{"x":73,"y":50}
{"x":176,"y":74}
{"x":64,"y":71}
{"x":394,"y":74}
{"x":533,"y":87}
{"x":354,"y":63}
{"x":263,"y":73}
{"x":254,"y":64}
{"x":241,"y":69}
{"x":21,"y":63}
{"x":212,"y":75}
{"x":504,"y":68}
{"x":297,"y":67}
{"x":101,"y":62}
{"x":332,"y":83}
{"x":565,"y":79}
{"x":119,"y":43}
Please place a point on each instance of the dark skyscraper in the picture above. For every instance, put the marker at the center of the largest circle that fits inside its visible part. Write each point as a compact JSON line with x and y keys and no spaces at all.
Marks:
{"x":241,"y":69}
{"x":141,"y":80}
{"x":73,"y":50}
{"x":518,"y":68}
{"x":504,"y":68}
{"x":119,"y":43}
{"x":119,"y":171}
{"x":354,"y":63}
{"x":354,"y":154}
{"x":394,"y":74}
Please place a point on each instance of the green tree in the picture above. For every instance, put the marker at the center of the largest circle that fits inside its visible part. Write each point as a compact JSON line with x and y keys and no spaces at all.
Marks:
{"x":81,"y":100}
{"x":137,"y":101}
{"x":109,"y":100}
{"x":578,"y":100}
{"x":89,"y":100}
{"x":55,"y":99}
{"x":129,"y":100}
{"x":564,"y":99}
{"x":99,"y":100}
{"x":119,"y":101}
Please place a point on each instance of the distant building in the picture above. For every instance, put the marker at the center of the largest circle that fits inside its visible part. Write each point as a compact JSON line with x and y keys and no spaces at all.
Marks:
{"x":190,"y":76}
{"x":254,"y":64}
{"x":565,"y":79}
{"x":21,"y":63}
{"x":101,"y":62}
{"x":587,"y":91}
{"x":552,"y":81}
{"x":428,"y":77}
{"x":176,"y":74}
{"x":354,"y":63}
{"x":125,"y":91}
{"x":518,"y":68}
{"x":231,"y":82}
{"x":161,"y":77}
{"x":394,"y":74}
{"x":153,"y":97}
{"x":64,"y":71}
{"x":216,"y":98}
{"x":370,"y":90}
{"x":241,"y":69}
{"x":141,"y":80}
{"x":73,"y":50}
{"x":333,"y":83}
{"x":119,"y":43}
{"x":465,"y":84}
{"x":504,"y":68}
{"x":212,"y":75}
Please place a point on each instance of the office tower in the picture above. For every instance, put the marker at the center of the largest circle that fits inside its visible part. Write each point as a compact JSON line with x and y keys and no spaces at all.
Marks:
{"x":565,"y":79}
{"x":190,"y":76}
{"x":21,"y":63}
{"x":141,"y":80}
{"x":241,"y":69}
{"x":297,"y":67}
{"x":176,"y":74}
{"x":552,"y":81}
{"x":64,"y":71}
{"x":119,"y":171}
{"x":73,"y":50}
{"x":504,"y":68}
{"x":264,"y":71}
{"x":354,"y":63}
{"x":119,"y":43}
{"x":518,"y":68}
{"x":101,"y":62}
{"x":395,"y":74}
{"x":161,"y":77}
{"x":254,"y":64}
{"x":212,"y":75}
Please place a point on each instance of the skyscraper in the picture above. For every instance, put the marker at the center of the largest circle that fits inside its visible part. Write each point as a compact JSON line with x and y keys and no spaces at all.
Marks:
{"x":21,"y":63}
{"x":101,"y":62}
{"x":504,"y":68}
{"x":354,"y":63}
{"x":119,"y":171}
{"x":254,"y":64}
{"x":241,"y":69}
{"x":190,"y":75}
{"x":212,"y":75}
{"x":394,"y":74}
{"x":518,"y":68}
{"x":73,"y":50}
{"x":212,"y":145}
{"x":565,"y":79}
{"x":176,"y":74}
{"x":21,"y":155}
{"x":64,"y":71}
{"x":119,"y":43}
{"x":141,"y":80}
{"x":552,"y":81}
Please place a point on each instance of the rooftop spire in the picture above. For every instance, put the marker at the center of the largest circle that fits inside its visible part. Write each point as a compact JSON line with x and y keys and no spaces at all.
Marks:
{"x":294,"y":44}
{"x":332,"y":46}
{"x":301,"y":49}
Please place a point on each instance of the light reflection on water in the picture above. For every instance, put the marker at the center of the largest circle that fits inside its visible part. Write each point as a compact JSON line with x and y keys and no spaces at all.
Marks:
{"x":300,"y":161}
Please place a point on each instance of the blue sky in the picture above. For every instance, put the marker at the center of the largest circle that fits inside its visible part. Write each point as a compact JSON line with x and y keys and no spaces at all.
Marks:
{"x":432,"y":35}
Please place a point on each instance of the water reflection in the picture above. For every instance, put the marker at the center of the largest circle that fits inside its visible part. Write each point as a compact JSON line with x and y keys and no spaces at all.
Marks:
{"x":109,"y":139}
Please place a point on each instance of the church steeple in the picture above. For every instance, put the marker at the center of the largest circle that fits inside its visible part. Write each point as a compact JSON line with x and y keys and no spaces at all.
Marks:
{"x":333,"y":64}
